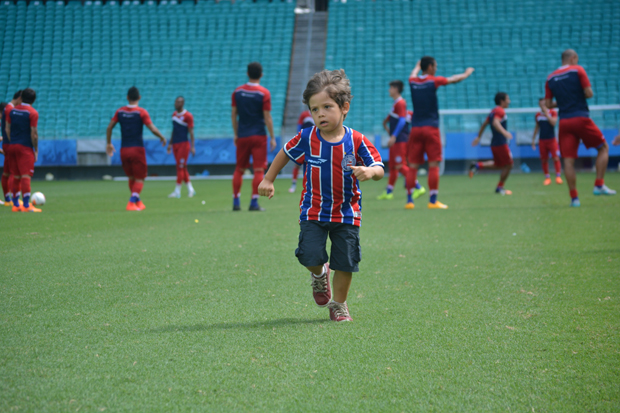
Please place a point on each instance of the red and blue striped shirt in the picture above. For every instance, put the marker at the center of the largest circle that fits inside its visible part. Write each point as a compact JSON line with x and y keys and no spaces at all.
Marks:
{"x":331,"y":192}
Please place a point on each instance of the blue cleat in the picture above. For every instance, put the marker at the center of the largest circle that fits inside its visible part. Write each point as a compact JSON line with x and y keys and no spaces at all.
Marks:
{"x":575,"y":203}
{"x":603,"y":190}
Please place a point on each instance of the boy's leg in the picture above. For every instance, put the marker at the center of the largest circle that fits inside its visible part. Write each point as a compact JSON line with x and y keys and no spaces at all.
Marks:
{"x":342,"y":284}
{"x":311,"y":254}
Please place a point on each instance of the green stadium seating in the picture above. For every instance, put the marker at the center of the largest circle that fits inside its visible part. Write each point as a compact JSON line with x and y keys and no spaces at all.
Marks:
{"x":81,"y":59}
{"x":513,"y":45}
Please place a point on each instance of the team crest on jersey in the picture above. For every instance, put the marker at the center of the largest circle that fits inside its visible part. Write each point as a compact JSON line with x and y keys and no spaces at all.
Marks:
{"x":347,"y":162}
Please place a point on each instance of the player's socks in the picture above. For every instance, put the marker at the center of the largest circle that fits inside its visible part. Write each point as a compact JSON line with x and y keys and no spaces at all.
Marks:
{"x":8,"y":198}
{"x":433,"y":182}
{"x":135,"y":197}
{"x":393,"y":177}
{"x":558,"y":168}
{"x":599,"y":183}
{"x":409,"y":204}
{"x":176,"y":193}
{"x":237,"y":202}
{"x":293,"y":187}
{"x":389,"y":189}
{"x":433,"y":197}
{"x":258,"y":177}
{"x":412,"y":180}
{"x":473,"y":168}
{"x":237,"y":181}
{"x":190,"y":189}
{"x":254,"y":206}
{"x":545,"y":167}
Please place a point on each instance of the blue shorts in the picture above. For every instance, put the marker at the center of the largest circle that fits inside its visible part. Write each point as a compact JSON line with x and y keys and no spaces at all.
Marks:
{"x":346,"y":252}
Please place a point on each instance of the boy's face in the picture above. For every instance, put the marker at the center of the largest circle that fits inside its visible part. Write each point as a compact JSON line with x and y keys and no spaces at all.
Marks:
{"x":327,"y":115}
{"x":394,"y":92}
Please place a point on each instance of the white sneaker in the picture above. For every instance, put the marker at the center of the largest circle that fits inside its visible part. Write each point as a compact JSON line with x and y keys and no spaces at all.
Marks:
{"x":191,"y":193}
{"x":603,"y":190}
{"x":291,"y":190}
{"x":175,"y":194}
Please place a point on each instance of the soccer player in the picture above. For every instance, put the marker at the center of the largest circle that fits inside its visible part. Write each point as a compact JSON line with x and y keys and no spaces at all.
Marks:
{"x":21,"y":129}
{"x":570,"y":86}
{"x":251,"y":114}
{"x":424,"y":137}
{"x":336,"y":158}
{"x":546,"y":120}
{"x":305,"y":121}
{"x":182,"y":126}
{"x":397,"y":125}
{"x":502,"y":157}
{"x":7,"y":178}
{"x":133,"y":157}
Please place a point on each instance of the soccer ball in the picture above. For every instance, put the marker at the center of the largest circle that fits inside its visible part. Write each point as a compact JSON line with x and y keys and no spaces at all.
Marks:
{"x":422,"y":172}
{"x":38,"y":199}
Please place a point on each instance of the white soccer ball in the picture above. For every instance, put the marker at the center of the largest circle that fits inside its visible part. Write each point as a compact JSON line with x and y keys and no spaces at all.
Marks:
{"x":38,"y":199}
{"x":422,"y":172}
{"x":49,"y":176}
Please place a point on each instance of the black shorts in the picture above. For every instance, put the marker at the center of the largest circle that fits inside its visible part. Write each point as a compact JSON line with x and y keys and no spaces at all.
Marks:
{"x":346,"y":251}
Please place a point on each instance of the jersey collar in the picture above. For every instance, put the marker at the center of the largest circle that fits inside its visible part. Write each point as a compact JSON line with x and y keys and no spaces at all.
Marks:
{"x":563,"y":67}
{"x":423,"y":76}
{"x":253,"y":84}
{"x":182,"y":113}
{"x":398,"y":100}
{"x":132,"y":106}
{"x":25,"y":104}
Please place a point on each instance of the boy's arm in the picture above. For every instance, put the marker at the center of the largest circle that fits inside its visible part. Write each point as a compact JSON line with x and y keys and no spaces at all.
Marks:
{"x":534,"y":136}
{"x":459,"y":78}
{"x":480,"y":132}
{"x":498,"y":127}
{"x":364,"y":173}
{"x":266,"y":186}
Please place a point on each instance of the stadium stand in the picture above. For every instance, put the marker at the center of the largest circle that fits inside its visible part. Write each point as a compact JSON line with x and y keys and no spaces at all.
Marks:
{"x":513,"y":46}
{"x":81,"y":59}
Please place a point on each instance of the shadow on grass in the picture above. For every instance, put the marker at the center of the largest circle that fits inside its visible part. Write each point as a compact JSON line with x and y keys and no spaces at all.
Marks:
{"x":280,"y":322}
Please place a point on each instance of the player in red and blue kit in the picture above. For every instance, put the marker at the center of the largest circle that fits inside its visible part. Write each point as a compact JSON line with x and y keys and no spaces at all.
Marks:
{"x":424,"y":137}
{"x":305,"y":121}
{"x":251,"y":115}
{"x":336,"y":159}
{"x":502,"y":157}
{"x":22,"y":132}
{"x":570,"y":86}
{"x":546,"y":120}
{"x":7,"y":177}
{"x":397,"y":124}
{"x":133,"y":157}
{"x":182,"y":128}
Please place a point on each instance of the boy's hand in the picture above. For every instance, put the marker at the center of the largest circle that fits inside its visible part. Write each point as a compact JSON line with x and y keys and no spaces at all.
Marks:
{"x":265,"y":188}
{"x":362,"y":173}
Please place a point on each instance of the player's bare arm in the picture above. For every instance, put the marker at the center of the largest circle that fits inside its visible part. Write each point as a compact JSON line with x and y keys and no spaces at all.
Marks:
{"x":34,"y":137}
{"x":534,"y":136}
{"x":108,"y":136}
{"x":266,"y":188}
{"x":553,"y":120}
{"x":459,"y":78}
{"x":415,"y":70}
{"x":157,"y":133}
{"x":191,"y":138}
{"x":364,"y":173}
{"x":169,"y":148}
{"x":269,"y":125}
{"x":480,"y":132}
{"x":233,"y":118}
{"x":550,"y":104}
{"x":588,"y":92}
{"x":497,"y":125}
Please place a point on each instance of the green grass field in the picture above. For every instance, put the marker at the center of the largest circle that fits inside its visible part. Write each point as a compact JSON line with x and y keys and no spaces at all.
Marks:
{"x":497,"y":304}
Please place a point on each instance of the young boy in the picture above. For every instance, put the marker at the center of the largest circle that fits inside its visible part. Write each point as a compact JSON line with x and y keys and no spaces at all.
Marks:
{"x":502,"y":157}
{"x":546,"y":120}
{"x":331,"y":200}
{"x":305,"y":121}
{"x":133,"y":157}
{"x":397,"y":124}
{"x":182,"y":127}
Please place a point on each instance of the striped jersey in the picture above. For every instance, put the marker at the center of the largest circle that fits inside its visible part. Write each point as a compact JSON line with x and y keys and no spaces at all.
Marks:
{"x":181,"y":122}
{"x":546,"y":130}
{"x":331,"y":192}
{"x":566,"y":84}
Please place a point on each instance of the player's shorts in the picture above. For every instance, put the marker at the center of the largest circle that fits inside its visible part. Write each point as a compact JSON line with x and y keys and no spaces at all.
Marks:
{"x":574,"y":130}
{"x":424,"y":140}
{"x":501,"y":156}
{"x":133,"y":160}
{"x":8,"y":159}
{"x":252,"y":145}
{"x":398,"y":154}
{"x":346,"y":252}
{"x":181,"y":153}
{"x":21,"y":160}
{"x":548,"y":147}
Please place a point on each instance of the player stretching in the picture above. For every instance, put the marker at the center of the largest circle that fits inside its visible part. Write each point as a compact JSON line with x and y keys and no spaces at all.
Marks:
{"x":251,"y":113}
{"x":331,"y":200}
{"x":502,"y":157}
{"x":397,"y":125}
{"x":21,"y":129}
{"x":424,"y":137}
{"x":182,"y":126}
{"x":546,"y":120}
{"x":570,"y":86}
{"x":305,"y":121}
{"x":7,"y":178}
{"x":133,"y":157}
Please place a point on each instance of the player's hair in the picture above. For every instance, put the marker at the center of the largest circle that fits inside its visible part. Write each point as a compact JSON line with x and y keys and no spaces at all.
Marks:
{"x":500,"y":97}
{"x":398,"y":84}
{"x":567,"y":54}
{"x":255,"y":70}
{"x":334,"y":82}
{"x":29,"y":96}
{"x":2,"y":106}
{"x":180,"y":97}
{"x":133,"y":94}
{"x":17,"y":94}
{"x":426,"y":61}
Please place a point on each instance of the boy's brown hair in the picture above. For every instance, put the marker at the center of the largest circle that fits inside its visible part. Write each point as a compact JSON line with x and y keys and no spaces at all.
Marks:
{"x":334,"y":82}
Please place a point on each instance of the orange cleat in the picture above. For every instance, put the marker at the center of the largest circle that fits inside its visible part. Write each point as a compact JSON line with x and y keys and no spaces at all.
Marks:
{"x":547,"y":181}
{"x":17,"y":209}
{"x":558,"y":180}
{"x":10,"y":204}
{"x":31,"y":208}
{"x":409,"y":205}
{"x":131,"y":206}
{"x":437,"y":205}
{"x":140,"y":205}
